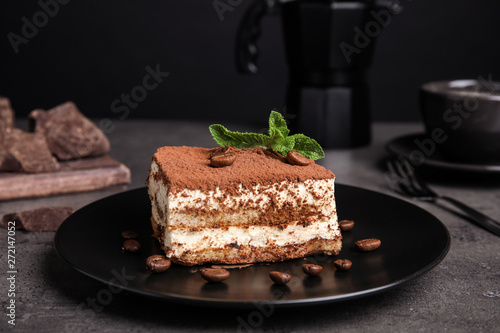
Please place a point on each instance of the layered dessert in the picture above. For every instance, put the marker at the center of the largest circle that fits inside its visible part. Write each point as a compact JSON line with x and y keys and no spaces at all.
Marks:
{"x":257,"y":207}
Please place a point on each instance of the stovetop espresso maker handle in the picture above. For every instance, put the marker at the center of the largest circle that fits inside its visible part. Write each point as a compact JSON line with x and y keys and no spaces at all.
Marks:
{"x":248,"y":32}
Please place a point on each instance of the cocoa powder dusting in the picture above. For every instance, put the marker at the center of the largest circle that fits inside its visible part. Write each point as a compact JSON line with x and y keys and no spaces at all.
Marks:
{"x":189,"y":167}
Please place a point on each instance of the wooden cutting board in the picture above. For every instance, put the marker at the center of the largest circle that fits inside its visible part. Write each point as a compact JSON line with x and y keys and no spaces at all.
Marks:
{"x":74,"y":176}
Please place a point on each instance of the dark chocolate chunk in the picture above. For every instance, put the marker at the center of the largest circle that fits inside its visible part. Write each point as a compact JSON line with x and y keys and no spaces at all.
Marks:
{"x":22,"y":151}
{"x":6,"y":122}
{"x":6,"y":114}
{"x":26,"y":152}
{"x":69,"y":133}
{"x":38,"y":219}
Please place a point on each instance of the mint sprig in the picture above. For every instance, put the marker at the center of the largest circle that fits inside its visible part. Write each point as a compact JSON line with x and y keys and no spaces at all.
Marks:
{"x":277,"y":139}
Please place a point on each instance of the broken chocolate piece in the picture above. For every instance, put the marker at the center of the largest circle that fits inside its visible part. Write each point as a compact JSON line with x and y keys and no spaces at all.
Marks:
{"x":6,"y":113}
{"x":69,"y":133}
{"x":38,"y":219}
{"x":6,"y":121}
{"x":26,"y":152}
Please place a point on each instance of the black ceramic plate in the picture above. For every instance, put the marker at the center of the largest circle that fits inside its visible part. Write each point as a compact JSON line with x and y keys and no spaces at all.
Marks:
{"x":413,"y":242}
{"x":405,"y":146}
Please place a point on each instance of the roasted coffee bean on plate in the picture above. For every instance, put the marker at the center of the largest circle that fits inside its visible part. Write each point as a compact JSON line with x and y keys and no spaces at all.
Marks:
{"x":297,"y":158}
{"x":158,"y":263}
{"x":129,"y":234}
{"x":222,"y":160}
{"x":214,"y":274}
{"x":131,"y":245}
{"x":342,"y":264}
{"x":311,"y":269}
{"x":368,"y":244}
{"x":346,"y":225}
{"x":280,"y":277}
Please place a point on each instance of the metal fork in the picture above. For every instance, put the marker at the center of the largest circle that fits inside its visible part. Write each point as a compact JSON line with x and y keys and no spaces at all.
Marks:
{"x":403,"y":180}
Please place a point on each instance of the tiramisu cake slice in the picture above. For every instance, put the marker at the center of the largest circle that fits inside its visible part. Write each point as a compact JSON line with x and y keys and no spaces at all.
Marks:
{"x":251,"y":205}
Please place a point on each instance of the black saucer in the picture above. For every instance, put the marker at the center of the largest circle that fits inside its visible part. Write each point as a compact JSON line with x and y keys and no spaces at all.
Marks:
{"x":406,"y":147}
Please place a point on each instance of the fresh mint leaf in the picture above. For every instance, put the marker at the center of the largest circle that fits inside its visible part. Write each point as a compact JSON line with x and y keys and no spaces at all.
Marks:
{"x":249,"y":140}
{"x":224,"y":137}
{"x":278,"y":139}
{"x":277,"y":125}
{"x":285,"y":145}
{"x":307,"y":147}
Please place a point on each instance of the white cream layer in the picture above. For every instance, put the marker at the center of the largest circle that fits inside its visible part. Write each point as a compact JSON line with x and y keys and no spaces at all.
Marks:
{"x":181,"y":241}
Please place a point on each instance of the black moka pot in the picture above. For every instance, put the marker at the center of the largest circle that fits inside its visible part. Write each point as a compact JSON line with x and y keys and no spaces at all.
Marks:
{"x":329,"y":48}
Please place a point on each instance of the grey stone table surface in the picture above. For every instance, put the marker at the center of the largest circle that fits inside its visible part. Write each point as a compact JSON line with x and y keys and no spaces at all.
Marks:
{"x":461,"y":294}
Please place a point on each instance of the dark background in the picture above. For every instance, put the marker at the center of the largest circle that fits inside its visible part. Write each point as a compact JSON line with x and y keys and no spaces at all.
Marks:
{"x":94,"y":51}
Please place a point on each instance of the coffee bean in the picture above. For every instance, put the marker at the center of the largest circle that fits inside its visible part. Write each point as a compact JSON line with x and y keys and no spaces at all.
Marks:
{"x":214,"y":274}
{"x":222,"y":160}
{"x":158,"y":263}
{"x":342,"y":264}
{"x":297,"y":158}
{"x":311,"y":269}
{"x":280,"y":277}
{"x":368,"y":244}
{"x":131,"y":245}
{"x":222,"y":150}
{"x":346,"y":225}
{"x":129,"y":234}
